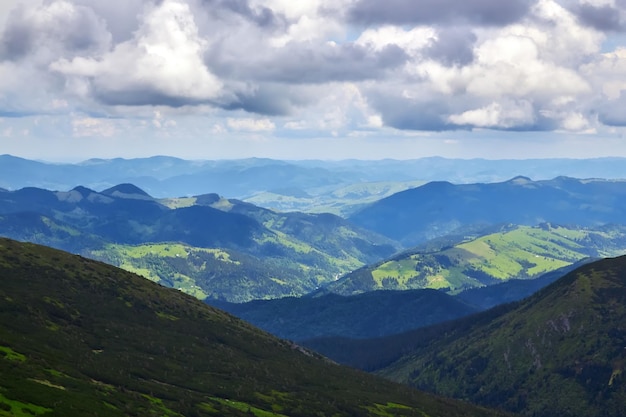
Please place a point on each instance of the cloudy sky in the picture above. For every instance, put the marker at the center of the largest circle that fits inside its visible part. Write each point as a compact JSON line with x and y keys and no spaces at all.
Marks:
{"x":329,"y":79}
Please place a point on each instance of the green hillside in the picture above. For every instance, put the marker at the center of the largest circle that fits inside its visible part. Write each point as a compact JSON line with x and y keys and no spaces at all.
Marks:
{"x":520,"y":252}
{"x":208,"y":246}
{"x":82,"y":338}
{"x":559,"y":353}
{"x":221,"y":273}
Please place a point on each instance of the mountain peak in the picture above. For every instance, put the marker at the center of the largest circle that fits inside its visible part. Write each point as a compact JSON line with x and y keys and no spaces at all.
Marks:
{"x":84,"y":191}
{"x":77,"y":194}
{"x":129,"y":191}
{"x":520,"y":180}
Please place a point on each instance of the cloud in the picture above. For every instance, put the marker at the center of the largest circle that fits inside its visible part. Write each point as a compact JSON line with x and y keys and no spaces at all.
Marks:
{"x":90,"y":127}
{"x":250,"y":125}
{"x":53,"y":29}
{"x":161,"y":65}
{"x":122,"y":17}
{"x":307,"y":63}
{"x":505,"y":115}
{"x":604,"y":17}
{"x":424,"y":12}
{"x":606,"y":72}
{"x":259,"y":15}
{"x":511,"y":78}
{"x":423,"y":111}
{"x":315,"y":68}
{"x":269,"y":99}
{"x":453,"y":46}
{"x":612,"y":113}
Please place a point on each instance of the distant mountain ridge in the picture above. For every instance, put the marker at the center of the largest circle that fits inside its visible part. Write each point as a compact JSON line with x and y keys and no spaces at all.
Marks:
{"x":440,"y":208}
{"x":258,"y":178}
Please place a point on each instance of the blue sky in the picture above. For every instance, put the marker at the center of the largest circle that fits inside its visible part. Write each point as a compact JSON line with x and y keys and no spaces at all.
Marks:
{"x":212,"y":79}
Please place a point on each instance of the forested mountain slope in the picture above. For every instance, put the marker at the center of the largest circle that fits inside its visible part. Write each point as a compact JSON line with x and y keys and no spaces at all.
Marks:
{"x":79,"y":337}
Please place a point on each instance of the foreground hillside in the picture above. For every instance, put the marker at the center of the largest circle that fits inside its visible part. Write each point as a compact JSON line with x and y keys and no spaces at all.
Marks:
{"x":514,"y":252}
{"x":78,"y":338}
{"x":560,"y":352}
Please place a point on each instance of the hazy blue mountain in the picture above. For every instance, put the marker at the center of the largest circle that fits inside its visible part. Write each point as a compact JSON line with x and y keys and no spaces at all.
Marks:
{"x":439,"y":208}
{"x":163,"y":176}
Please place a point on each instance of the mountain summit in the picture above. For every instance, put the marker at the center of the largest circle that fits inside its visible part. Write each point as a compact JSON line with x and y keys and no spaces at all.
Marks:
{"x":127,"y":191}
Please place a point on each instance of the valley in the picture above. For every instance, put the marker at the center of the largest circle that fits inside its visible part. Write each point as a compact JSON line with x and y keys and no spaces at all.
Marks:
{"x":219,"y":248}
{"x":462,"y":290}
{"x":559,"y":352}
{"x":355,"y":208}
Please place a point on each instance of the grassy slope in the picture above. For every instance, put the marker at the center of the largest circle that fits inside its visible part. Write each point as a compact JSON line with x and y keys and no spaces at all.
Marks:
{"x":275,"y":255}
{"x":560,"y":352}
{"x":78,"y":337}
{"x":520,"y":252}
{"x":288,"y":267}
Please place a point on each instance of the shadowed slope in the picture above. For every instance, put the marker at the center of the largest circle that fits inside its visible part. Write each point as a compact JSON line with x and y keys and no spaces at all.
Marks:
{"x":78,"y":338}
{"x":560,"y":352}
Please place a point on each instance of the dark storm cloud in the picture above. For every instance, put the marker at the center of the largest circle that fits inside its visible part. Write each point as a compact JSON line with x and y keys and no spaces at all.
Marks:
{"x":262,"y":16}
{"x":17,"y":40}
{"x":139,"y":95}
{"x":612,"y":113}
{"x":431,"y":112}
{"x":307,"y":63}
{"x":602,"y":18}
{"x":58,"y":31}
{"x":401,"y":12}
{"x":454,"y":46}
{"x":121,"y":16}
{"x":268,"y":99}
{"x":404,"y":114}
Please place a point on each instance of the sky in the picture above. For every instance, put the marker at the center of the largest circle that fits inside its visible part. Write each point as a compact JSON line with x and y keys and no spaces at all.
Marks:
{"x":317,"y":79}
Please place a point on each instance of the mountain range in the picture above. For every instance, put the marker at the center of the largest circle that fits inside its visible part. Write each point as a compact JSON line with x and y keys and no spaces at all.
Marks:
{"x":81,"y":337}
{"x":199,"y":243}
{"x":337,"y":186}
{"x":204,"y":244}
